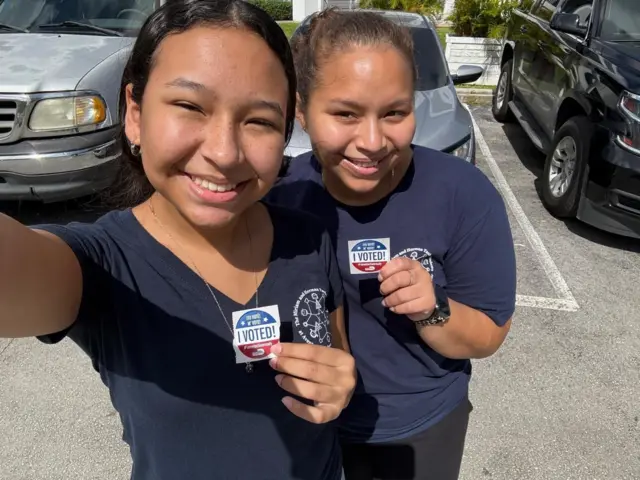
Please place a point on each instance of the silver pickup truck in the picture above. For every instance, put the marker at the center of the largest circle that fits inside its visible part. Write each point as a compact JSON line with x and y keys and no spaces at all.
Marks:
{"x":61,"y":62}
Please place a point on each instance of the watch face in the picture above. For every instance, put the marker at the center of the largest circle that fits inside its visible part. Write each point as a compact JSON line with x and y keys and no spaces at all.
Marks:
{"x":442,"y":301}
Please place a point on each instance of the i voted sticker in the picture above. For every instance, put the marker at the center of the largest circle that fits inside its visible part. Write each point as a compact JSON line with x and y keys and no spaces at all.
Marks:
{"x":255,"y":332}
{"x":368,"y":255}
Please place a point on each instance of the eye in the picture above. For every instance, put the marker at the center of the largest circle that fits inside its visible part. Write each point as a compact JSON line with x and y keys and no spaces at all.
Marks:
{"x":261,"y":122}
{"x":345,"y":114}
{"x":396,"y":113}
{"x":188,"y":106}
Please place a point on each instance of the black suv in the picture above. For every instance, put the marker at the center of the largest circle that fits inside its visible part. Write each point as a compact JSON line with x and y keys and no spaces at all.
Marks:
{"x":571,"y":77}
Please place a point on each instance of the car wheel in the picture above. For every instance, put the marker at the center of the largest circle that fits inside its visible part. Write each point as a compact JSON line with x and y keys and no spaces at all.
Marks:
{"x":503,"y":94}
{"x":565,"y":167}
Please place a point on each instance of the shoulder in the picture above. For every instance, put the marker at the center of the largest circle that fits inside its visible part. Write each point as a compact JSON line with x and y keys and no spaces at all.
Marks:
{"x":301,"y":187}
{"x":96,"y":240}
{"x":294,"y":220}
{"x":463,"y":184}
{"x":302,"y":167}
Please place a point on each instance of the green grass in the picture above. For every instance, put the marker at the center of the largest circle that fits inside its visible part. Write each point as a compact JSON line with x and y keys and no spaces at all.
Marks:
{"x":442,"y":34}
{"x":479,"y":87}
{"x":288,"y":27}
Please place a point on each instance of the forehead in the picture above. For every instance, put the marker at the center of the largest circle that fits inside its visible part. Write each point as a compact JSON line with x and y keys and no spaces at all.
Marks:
{"x":217,"y":57}
{"x":363,"y":70}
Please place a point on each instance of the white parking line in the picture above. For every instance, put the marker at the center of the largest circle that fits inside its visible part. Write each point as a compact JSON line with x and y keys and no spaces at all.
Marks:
{"x":566,"y":301}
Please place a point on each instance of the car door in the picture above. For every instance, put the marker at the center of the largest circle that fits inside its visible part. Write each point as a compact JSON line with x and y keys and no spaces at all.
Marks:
{"x":558,"y":61}
{"x":539,"y":70}
{"x":528,"y":29}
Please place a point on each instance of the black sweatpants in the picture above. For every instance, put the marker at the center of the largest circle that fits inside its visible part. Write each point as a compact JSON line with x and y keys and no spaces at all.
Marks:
{"x":435,"y":454}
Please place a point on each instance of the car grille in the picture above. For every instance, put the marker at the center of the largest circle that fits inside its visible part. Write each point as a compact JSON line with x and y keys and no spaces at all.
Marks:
{"x":8,"y":110}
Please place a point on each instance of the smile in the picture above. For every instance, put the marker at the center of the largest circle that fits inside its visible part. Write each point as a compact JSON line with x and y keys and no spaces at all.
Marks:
{"x":213,"y":187}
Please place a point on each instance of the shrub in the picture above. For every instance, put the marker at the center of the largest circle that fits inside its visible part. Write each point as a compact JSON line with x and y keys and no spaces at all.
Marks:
{"x":482,"y":18}
{"x":279,"y":10}
{"x":431,"y":8}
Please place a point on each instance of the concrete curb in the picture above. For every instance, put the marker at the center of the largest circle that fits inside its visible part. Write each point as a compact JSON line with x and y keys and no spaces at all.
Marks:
{"x":475,"y":96}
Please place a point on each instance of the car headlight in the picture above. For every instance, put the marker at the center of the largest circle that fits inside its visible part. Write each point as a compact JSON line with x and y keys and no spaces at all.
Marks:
{"x":629,"y":105}
{"x":465,"y":151}
{"x":67,"y":112}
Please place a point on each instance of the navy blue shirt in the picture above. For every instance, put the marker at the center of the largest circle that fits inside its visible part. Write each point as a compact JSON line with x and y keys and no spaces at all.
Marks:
{"x":155,"y":335}
{"x":446,"y":214}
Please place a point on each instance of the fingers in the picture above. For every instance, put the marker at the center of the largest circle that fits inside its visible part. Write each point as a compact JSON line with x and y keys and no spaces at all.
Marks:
{"x":333,"y":357}
{"x":315,"y":372}
{"x":413,"y":307}
{"x":309,"y":390}
{"x":402,"y":279}
{"x":321,"y":413}
{"x":394,"y":266}
{"x":403,"y":295}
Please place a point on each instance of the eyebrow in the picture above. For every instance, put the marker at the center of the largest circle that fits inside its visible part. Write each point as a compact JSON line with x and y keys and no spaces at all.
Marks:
{"x":188,"y":84}
{"x":355,"y":105}
{"x":181,"y":82}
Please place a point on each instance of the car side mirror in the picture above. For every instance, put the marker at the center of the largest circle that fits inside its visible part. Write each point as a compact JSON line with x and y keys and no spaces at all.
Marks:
{"x":568,"y":23}
{"x":467,"y":74}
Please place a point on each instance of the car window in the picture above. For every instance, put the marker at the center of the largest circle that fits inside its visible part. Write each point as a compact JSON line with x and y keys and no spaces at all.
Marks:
{"x":545,"y":9}
{"x":427,"y":55}
{"x":112,"y":14}
{"x":621,"y":21}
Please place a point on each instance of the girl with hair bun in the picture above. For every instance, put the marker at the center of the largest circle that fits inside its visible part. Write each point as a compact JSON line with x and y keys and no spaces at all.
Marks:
{"x":423,"y":242}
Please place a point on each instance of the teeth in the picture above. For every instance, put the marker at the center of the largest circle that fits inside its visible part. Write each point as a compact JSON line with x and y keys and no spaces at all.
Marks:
{"x":201,"y":182}
{"x":365,"y":164}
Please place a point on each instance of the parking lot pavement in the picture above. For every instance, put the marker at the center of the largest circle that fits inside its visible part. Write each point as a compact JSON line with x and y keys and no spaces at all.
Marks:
{"x":559,"y":401}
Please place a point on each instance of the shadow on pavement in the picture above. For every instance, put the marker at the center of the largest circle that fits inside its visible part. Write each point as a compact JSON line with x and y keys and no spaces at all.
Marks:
{"x":85,"y":209}
{"x":533,"y":160}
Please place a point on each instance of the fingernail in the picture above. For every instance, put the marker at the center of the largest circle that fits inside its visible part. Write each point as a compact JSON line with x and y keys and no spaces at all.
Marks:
{"x":384,"y":304}
{"x":276,"y":349}
{"x":279,"y":379}
{"x":393,"y":309}
{"x":379,"y":277}
{"x":288,"y":402}
{"x":273,"y":362}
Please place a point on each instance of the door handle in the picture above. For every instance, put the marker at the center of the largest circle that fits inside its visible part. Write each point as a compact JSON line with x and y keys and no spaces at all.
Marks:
{"x":523,"y":29}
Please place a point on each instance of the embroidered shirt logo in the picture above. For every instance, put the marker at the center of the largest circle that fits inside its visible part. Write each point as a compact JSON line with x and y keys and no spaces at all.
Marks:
{"x":421,"y":255}
{"x":311,"y":317}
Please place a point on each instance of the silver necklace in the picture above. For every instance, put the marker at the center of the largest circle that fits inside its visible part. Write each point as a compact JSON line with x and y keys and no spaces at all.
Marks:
{"x":248,"y":366}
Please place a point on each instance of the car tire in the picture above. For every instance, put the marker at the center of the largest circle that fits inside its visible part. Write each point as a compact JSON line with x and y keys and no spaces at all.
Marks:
{"x":503,"y":94}
{"x":565,"y":167}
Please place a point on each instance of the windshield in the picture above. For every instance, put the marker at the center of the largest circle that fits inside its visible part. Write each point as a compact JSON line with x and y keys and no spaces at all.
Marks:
{"x":432,"y":73}
{"x":118,"y":15}
{"x":621,"y":21}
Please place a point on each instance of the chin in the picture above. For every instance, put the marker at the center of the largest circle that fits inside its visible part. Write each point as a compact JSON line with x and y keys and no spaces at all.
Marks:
{"x":209,"y":217}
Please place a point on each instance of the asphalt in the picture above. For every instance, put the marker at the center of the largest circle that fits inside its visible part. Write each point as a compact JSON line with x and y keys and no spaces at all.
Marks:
{"x":559,"y":401}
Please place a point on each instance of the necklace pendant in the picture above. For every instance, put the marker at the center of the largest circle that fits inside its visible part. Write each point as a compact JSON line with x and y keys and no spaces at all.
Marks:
{"x":248,"y":367}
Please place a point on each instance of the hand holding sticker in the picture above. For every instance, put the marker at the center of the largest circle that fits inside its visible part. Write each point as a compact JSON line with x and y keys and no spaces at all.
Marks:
{"x":323,"y":374}
{"x":407,"y":288}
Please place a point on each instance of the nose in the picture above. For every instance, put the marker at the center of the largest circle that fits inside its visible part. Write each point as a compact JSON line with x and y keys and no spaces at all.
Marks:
{"x":221,"y":144}
{"x":371,"y":138}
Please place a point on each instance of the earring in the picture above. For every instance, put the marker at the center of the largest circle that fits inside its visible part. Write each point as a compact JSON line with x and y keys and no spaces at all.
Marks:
{"x":135,"y":149}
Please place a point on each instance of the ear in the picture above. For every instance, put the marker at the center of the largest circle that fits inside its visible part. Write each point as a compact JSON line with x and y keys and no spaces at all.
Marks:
{"x":132,"y":118}
{"x":300,"y":113}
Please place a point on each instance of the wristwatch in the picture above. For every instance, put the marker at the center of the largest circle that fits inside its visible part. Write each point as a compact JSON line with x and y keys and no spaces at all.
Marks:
{"x":441,"y":312}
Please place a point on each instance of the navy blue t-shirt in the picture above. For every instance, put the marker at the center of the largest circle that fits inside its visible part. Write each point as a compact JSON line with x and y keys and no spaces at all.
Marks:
{"x":155,"y":335}
{"x":446,"y":214}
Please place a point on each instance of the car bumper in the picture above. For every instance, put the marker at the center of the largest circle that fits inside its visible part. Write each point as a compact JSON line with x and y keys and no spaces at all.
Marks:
{"x":59,"y":168}
{"x":615,"y":207}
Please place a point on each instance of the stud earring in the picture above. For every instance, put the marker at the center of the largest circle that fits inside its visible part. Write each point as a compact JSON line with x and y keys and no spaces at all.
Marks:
{"x":135,"y":149}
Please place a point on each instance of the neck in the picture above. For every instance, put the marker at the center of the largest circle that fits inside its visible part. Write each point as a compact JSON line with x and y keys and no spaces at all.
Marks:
{"x":221,"y":238}
{"x":387,"y":184}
